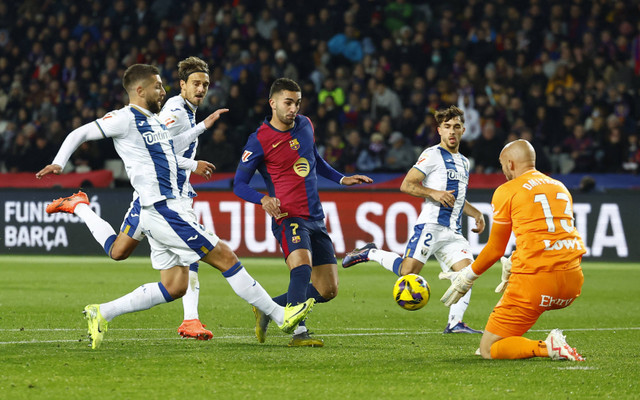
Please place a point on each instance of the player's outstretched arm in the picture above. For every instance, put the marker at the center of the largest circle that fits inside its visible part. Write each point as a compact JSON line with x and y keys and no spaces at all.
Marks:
{"x":204,"y":169}
{"x":459,"y":286}
{"x":355,"y":180}
{"x":412,"y":185}
{"x":506,"y":274}
{"x":49,"y":169}
{"x":475,"y":214}
{"x":181,"y":141}
{"x":85,"y":133}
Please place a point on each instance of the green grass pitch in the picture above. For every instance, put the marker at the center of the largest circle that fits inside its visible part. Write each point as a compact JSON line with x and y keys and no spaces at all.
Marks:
{"x":373,"y":348}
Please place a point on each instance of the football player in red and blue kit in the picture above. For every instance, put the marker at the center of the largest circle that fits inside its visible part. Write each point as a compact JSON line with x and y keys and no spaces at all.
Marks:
{"x":283,"y":151}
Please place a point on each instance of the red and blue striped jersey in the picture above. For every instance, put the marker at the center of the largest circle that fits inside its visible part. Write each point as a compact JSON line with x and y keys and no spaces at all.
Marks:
{"x":289,"y":163}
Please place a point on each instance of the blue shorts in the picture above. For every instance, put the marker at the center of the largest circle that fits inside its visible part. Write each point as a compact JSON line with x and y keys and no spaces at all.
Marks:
{"x":298,"y":233}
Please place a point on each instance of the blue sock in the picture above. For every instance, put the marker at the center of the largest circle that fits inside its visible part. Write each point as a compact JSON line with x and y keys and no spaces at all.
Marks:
{"x":396,"y":266}
{"x":298,"y":281}
{"x":108,"y":243}
{"x":165,"y":293}
{"x":312,"y":292}
{"x":281,"y":300}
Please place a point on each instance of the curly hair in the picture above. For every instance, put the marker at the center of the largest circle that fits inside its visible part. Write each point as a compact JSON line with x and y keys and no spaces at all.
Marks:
{"x":190,"y":65}
{"x":448,"y":113}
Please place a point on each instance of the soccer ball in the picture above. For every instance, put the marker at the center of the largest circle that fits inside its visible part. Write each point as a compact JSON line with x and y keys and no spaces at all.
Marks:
{"x":411,"y":292}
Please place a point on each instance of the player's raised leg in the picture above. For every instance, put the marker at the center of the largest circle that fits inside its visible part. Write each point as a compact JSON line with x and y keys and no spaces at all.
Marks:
{"x":78,"y":204}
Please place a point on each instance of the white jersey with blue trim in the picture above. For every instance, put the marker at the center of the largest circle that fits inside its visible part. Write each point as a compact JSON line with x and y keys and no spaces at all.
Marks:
{"x":145,"y":146}
{"x":443,"y":171}
{"x":179,"y":115}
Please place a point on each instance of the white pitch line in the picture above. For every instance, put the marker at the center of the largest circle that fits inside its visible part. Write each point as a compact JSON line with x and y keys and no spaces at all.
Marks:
{"x":397,"y":332}
{"x":626,"y":328}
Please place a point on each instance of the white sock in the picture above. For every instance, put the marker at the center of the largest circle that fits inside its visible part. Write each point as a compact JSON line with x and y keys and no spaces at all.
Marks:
{"x":456,"y":311}
{"x":300,"y":329}
{"x":143,"y":298}
{"x":100,"y":229}
{"x":190,"y":299}
{"x":252,"y":292}
{"x":384,"y":258}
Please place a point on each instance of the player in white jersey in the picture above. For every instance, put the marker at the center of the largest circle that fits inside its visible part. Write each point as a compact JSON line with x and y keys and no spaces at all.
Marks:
{"x":440,"y":176}
{"x":178,"y":115}
{"x":177,"y":240}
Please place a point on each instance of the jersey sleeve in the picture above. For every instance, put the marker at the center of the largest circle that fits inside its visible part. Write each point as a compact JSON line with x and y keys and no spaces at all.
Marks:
{"x":175,"y":119}
{"x":326,"y":170}
{"x":425,"y":162}
{"x":252,"y":156}
{"x":501,"y":205}
{"x":85,"y":133}
{"x":114,"y":124}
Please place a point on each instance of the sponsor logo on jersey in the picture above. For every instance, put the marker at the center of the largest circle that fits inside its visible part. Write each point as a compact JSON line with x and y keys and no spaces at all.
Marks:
{"x":277,"y":144}
{"x":569,"y":244}
{"x":246,"y":155}
{"x":170,"y":120}
{"x":301,"y":167}
{"x":550,"y":301}
{"x":156,"y":137}
{"x":458,"y":176}
{"x":294,"y":144}
{"x":107,"y":116}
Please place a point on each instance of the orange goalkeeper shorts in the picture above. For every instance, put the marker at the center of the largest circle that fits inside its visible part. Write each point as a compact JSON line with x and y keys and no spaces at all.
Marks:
{"x":529,"y":295}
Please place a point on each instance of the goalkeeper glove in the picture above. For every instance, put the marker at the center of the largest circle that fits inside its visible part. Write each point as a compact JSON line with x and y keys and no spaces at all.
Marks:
{"x":451,"y":275}
{"x":506,"y":273}
{"x":460,"y":285}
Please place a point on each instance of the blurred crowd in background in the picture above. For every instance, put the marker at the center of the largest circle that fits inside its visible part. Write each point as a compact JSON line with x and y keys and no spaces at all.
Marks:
{"x":563,"y":74}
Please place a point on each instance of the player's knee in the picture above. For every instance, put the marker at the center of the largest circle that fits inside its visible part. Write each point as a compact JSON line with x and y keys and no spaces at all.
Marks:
{"x":329,"y":292}
{"x":485,"y":353}
{"x":177,"y":291}
{"x":118,"y":255}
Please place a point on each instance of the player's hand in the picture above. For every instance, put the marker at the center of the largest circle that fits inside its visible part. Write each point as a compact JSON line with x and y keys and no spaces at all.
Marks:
{"x":460,"y":285}
{"x":204,"y":169}
{"x":506,"y":273}
{"x":271,"y":205}
{"x":451,"y":275}
{"x":355,"y":180}
{"x":49,"y":169}
{"x":213,"y":117}
{"x":480,"y":224}
{"x":444,"y":197}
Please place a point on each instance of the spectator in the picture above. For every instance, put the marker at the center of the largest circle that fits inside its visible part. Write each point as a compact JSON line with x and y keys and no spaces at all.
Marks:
{"x":372,"y":158}
{"x":333,"y":151}
{"x":613,"y":153}
{"x":521,"y":67}
{"x":354,"y":146}
{"x":346,"y":45}
{"x":486,"y":151}
{"x":219,"y":151}
{"x":401,"y":155}
{"x":385,"y":101}
{"x":330,"y":89}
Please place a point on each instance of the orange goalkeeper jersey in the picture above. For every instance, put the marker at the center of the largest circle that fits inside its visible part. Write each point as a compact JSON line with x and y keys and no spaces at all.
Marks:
{"x":540,"y":211}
